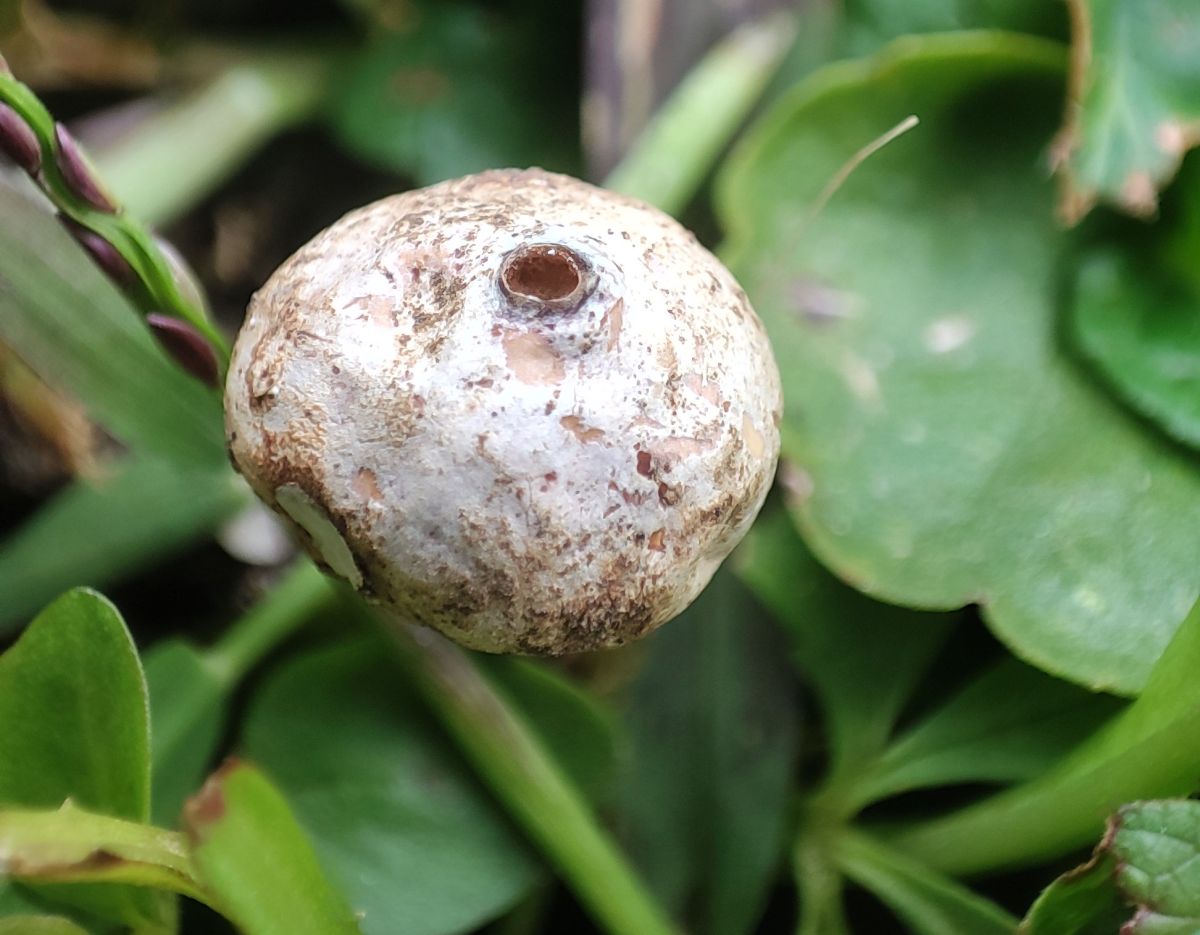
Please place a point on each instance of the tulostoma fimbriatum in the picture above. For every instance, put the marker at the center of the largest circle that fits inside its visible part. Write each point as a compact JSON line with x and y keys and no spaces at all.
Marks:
{"x":527,"y":412}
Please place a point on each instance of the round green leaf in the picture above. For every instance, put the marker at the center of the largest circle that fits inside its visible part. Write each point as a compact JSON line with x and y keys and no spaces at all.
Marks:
{"x":945,"y":449}
{"x":1135,"y":314}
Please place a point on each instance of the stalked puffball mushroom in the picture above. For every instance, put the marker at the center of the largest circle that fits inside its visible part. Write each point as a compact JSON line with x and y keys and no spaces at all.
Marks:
{"x":527,"y":412}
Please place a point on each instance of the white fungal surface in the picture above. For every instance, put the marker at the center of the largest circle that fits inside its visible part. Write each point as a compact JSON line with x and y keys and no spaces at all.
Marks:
{"x":522,"y":410}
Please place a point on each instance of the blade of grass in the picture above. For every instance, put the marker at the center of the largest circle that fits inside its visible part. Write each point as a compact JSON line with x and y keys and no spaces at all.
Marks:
{"x":174,"y":158}
{"x":97,"y":531}
{"x":65,"y":319}
{"x":668,"y":162}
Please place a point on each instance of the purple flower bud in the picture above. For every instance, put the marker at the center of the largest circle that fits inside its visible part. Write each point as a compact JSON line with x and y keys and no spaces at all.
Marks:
{"x":107,"y":257}
{"x":187,"y":345}
{"x":78,"y":173}
{"x":4,"y":69}
{"x":18,"y":140}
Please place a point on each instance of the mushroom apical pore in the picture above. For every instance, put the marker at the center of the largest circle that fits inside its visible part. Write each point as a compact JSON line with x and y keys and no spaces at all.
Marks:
{"x":527,"y":412}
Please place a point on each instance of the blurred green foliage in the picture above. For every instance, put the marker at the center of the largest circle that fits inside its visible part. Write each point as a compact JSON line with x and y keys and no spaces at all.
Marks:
{"x":960,"y":635}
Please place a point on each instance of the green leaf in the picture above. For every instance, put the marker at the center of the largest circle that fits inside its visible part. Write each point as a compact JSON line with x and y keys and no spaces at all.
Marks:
{"x":1136,"y":315}
{"x":1141,"y":327}
{"x":946,"y":450}
{"x":1083,"y":901}
{"x":1157,"y":849}
{"x":69,"y":323}
{"x":39,"y":925}
{"x":71,"y":845}
{"x":929,"y":903}
{"x":396,"y":816}
{"x":1150,"y":858}
{"x":672,"y":157}
{"x":256,"y":861}
{"x":845,"y":643}
{"x":869,"y":23}
{"x":187,"y":712}
{"x":713,"y":739}
{"x":97,"y":531}
{"x":14,"y":901}
{"x":1134,"y":106}
{"x":1148,"y":750}
{"x":73,"y":706}
{"x":462,"y":90}
{"x":1010,"y":724}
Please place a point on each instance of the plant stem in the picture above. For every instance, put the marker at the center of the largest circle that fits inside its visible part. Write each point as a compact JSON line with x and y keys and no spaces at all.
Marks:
{"x":179,"y":155}
{"x":819,"y":884}
{"x":924,"y":898}
{"x":490,"y":734}
{"x":1147,"y":751}
{"x":299,"y":596}
{"x":58,"y":846}
{"x":524,"y":777}
{"x":668,"y":162}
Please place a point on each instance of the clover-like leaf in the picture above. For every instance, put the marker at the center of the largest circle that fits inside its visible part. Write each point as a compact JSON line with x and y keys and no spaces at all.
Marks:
{"x":188,"y":698}
{"x":947,"y":450}
{"x":1011,"y":723}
